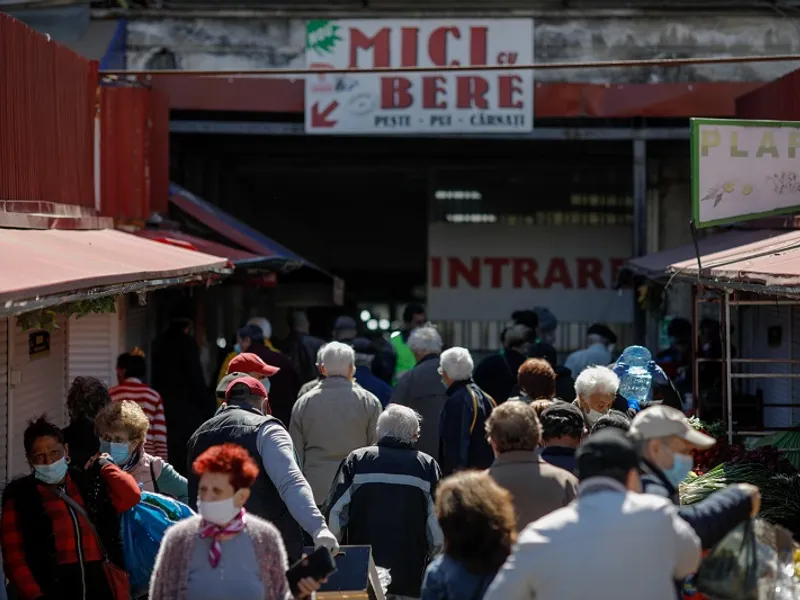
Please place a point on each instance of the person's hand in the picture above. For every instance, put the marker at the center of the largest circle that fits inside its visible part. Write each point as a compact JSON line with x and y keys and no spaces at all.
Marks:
{"x":307,"y":586}
{"x":755,"y":497}
{"x":619,"y":368}
{"x":95,"y":458}
{"x":324,"y":538}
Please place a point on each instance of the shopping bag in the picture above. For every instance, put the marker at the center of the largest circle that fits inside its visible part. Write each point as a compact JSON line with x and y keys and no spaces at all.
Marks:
{"x":730,"y":571}
{"x":143,"y":528}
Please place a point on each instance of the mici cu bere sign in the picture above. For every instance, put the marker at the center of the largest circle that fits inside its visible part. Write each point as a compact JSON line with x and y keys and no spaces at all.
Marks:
{"x":744,"y":169}
{"x":430,"y":102}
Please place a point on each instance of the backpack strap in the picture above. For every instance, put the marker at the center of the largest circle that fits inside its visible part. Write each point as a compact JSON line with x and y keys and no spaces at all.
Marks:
{"x":475,"y":406}
{"x":154,"y":478}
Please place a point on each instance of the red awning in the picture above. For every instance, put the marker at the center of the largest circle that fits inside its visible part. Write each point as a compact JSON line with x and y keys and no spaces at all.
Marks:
{"x":766,"y":258}
{"x":36,"y":263}
{"x":190,"y":242}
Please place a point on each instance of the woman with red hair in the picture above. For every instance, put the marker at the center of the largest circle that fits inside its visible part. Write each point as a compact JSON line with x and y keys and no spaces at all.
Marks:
{"x":224,"y":552}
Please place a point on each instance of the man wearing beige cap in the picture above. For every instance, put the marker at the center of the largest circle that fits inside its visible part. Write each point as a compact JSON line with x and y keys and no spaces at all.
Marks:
{"x":666,"y":440}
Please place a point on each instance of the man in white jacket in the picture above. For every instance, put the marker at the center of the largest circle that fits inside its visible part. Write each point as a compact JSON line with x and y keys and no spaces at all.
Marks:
{"x":611,"y":542}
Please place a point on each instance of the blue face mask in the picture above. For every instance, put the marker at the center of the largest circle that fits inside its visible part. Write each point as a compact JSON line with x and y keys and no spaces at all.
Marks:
{"x":53,"y":473}
{"x":118,"y":451}
{"x":237,"y":348}
{"x":681,"y":465}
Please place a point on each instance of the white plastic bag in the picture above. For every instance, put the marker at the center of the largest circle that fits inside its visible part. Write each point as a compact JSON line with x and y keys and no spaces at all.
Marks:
{"x":385,"y":577}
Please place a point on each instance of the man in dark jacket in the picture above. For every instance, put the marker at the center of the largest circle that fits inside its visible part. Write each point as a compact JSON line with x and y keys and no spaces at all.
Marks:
{"x":402,"y":482}
{"x":178,"y":377}
{"x":285,"y":384}
{"x":300,"y":347}
{"x":497,"y":374}
{"x":563,"y":427}
{"x":281,"y":493}
{"x":462,"y":428}
{"x":421,"y":388}
{"x":666,"y":440}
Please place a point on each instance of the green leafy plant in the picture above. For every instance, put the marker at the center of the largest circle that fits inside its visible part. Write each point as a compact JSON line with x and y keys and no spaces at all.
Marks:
{"x":322,"y":35}
{"x":47,"y":318}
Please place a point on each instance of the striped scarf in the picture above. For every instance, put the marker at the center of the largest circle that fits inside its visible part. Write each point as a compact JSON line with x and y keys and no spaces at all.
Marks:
{"x":211,"y":530}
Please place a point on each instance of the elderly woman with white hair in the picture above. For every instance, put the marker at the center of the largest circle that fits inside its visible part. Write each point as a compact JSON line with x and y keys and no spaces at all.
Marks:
{"x":332,"y":419}
{"x":402,"y":482}
{"x":596,"y":389}
{"x":421,"y":388}
{"x":463,"y":442}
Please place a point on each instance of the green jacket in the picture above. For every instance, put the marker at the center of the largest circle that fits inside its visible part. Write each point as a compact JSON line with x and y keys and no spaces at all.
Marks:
{"x":405,"y":357}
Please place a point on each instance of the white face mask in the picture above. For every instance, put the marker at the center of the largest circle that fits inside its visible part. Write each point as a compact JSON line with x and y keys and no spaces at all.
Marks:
{"x":219,"y":513}
{"x":593,"y":416}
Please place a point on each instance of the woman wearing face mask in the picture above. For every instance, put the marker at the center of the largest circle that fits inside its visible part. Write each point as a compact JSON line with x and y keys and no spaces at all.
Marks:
{"x":224,"y":552}
{"x":122,"y":428}
{"x":50,"y":516}
{"x":596,"y":388}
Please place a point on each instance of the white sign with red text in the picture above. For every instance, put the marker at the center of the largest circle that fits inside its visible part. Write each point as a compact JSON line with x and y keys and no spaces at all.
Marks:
{"x":429,"y":102}
{"x":484,"y":272}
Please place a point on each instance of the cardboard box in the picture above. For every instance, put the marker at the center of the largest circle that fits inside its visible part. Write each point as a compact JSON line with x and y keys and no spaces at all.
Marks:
{"x":356,"y":577}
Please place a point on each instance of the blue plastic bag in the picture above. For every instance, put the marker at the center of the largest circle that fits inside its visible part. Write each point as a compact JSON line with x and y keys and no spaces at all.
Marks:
{"x":143,"y":528}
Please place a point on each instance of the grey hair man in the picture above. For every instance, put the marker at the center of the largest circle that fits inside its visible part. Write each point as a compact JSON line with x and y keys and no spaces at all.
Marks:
{"x":333,"y":419}
{"x":402,"y":481}
{"x":463,"y":442}
{"x":537,"y":488}
{"x":399,"y":423}
{"x":421,"y":387}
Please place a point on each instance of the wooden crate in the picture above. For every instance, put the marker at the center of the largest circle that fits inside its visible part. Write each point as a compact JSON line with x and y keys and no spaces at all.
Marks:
{"x":356,"y":577}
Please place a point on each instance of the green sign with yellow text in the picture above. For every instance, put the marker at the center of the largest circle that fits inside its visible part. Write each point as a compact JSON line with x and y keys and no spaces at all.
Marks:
{"x":744,"y":170}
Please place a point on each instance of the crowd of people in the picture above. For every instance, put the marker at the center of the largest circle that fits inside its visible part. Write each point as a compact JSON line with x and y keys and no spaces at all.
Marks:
{"x":515,"y":479}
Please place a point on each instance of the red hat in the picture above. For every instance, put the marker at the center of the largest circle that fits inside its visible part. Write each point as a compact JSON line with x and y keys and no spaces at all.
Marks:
{"x":247,"y":362}
{"x":253,"y":384}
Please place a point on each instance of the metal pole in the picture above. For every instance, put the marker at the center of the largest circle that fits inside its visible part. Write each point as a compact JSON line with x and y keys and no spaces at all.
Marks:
{"x":640,"y":197}
{"x":728,"y":377}
{"x":698,"y":410}
{"x":640,"y":220}
{"x":585,"y":64}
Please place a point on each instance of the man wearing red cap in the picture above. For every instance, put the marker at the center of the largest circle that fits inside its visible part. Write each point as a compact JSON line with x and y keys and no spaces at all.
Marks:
{"x":251,"y":365}
{"x":281,"y":493}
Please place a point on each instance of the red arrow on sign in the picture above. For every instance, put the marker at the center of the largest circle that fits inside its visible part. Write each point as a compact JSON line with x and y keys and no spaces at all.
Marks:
{"x":320,"y":118}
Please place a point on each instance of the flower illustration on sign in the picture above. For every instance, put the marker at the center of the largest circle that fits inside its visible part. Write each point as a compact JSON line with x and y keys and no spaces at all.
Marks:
{"x":321,"y":36}
{"x":719,"y":191}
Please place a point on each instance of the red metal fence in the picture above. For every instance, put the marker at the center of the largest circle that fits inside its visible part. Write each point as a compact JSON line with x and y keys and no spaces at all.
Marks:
{"x":778,"y":100}
{"x":47,"y":103}
{"x":134,"y":150}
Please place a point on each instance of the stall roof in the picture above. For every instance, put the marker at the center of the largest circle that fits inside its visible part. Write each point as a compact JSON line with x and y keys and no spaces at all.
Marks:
{"x":234,"y":230}
{"x":37,"y":263}
{"x":769,"y":258}
{"x":180,"y":239}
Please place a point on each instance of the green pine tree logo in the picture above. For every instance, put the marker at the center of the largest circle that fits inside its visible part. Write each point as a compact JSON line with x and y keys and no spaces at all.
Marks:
{"x":321,"y":36}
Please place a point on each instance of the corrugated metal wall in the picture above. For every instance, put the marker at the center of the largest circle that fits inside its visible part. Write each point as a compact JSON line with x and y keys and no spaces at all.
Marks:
{"x":93,"y":347}
{"x":125,"y":180}
{"x":47,"y":95}
{"x":134,"y":150}
{"x":778,"y":100}
{"x":159,"y":151}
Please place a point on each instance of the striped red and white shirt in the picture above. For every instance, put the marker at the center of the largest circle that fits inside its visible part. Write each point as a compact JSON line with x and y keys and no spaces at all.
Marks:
{"x":153,"y":406}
